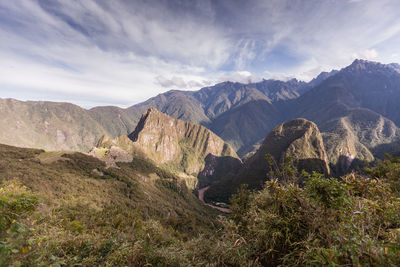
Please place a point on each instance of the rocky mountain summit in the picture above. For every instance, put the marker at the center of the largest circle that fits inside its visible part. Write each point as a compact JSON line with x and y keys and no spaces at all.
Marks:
{"x":175,"y":144}
{"x":357,"y":112}
{"x":299,"y":139}
{"x":229,"y":108}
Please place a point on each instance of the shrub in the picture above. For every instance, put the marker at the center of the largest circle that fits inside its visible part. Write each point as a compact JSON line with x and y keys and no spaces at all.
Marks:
{"x":15,"y":202}
{"x":328,"y":222}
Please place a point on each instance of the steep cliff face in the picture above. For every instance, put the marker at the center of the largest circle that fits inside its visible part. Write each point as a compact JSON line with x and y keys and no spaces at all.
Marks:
{"x":239,"y":113}
{"x":174,"y":143}
{"x":299,"y":139}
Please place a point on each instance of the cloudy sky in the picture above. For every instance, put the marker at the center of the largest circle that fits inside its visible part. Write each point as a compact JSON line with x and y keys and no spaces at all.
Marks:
{"x":122,"y":52}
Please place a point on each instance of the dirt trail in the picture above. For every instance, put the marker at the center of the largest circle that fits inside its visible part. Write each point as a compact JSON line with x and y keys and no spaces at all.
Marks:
{"x":201,"y":197}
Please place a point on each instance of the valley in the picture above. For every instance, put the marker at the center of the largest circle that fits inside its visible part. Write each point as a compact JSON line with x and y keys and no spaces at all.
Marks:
{"x":207,"y":133}
{"x":182,"y":178}
{"x":201,"y":192}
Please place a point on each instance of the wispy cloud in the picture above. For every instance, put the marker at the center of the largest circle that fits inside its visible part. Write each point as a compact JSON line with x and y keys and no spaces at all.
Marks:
{"x":180,"y":83}
{"x":240,"y":77}
{"x":122,"y":52}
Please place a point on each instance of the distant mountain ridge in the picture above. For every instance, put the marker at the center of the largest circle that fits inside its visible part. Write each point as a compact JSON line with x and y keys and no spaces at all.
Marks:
{"x":356,"y":110}
{"x":218,"y":108}
{"x":241,"y":114}
{"x":64,"y":126}
{"x":60,"y":126}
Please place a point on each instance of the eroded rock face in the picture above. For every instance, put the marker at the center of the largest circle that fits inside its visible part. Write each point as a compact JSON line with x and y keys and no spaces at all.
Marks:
{"x":165,"y":140}
{"x":299,"y":139}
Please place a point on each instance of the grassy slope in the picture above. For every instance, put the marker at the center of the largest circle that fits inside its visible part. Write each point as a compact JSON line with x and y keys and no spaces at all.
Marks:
{"x":56,"y":209}
{"x":137,"y":215}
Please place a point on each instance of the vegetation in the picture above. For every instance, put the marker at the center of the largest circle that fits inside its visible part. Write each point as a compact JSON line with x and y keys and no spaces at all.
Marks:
{"x":62,"y":214}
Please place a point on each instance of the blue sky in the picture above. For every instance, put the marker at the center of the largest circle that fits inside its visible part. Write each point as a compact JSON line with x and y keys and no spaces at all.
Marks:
{"x":122,"y":52}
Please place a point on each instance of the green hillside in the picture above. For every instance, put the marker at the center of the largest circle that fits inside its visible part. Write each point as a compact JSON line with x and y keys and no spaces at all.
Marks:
{"x":66,"y":209}
{"x":60,"y":209}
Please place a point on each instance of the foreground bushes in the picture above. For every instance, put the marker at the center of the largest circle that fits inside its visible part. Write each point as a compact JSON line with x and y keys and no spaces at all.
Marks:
{"x":327,"y":222}
{"x":354,"y":221}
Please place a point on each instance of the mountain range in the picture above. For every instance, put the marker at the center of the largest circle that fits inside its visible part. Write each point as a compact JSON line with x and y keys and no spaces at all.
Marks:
{"x":355,"y":108}
{"x":130,"y":199}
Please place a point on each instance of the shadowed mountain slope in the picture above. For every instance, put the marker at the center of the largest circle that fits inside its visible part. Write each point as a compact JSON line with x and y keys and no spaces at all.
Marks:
{"x":299,"y":139}
{"x":363,"y":84}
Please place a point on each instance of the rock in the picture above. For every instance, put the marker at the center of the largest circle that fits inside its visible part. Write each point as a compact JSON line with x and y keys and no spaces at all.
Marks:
{"x":168,"y":141}
{"x":299,"y":139}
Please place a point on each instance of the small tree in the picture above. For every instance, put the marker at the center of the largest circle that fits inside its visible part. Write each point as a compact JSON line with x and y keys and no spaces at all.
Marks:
{"x":286,"y":171}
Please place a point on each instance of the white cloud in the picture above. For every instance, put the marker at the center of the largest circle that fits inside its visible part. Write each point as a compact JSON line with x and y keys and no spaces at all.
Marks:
{"x":368,"y":54}
{"x":279,"y":76}
{"x":180,"y":83}
{"x":240,"y":77}
{"x":123,"y":52}
{"x":50,"y":56}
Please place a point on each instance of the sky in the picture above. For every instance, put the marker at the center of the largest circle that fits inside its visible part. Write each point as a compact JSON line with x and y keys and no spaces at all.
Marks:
{"x":123,"y":52}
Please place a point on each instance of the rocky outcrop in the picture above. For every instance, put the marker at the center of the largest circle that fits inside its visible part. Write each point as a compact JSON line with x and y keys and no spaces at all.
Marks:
{"x":111,"y":155}
{"x":299,"y":139}
{"x":174,"y":143}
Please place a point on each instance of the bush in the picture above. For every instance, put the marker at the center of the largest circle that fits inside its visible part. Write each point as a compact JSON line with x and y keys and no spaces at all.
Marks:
{"x":15,"y":202}
{"x":328,"y":222}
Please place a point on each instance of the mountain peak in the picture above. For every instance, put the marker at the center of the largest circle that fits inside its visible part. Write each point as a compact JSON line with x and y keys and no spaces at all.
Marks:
{"x":362,"y":65}
{"x":152,"y":110}
{"x":322,"y":77}
{"x":165,"y":139}
{"x":148,"y":115}
{"x":299,"y":138}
